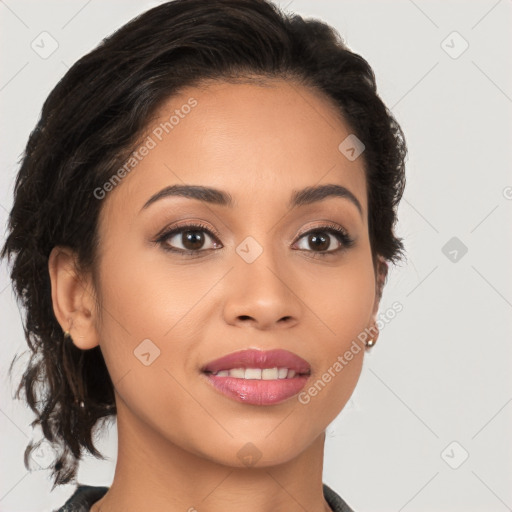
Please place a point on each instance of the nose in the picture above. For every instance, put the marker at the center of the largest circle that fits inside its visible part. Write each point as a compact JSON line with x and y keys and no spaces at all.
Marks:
{"x":263,"y":294}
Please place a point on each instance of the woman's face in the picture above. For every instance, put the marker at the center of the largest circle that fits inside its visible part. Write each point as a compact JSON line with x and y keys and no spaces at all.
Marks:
{"x":253,"y":280}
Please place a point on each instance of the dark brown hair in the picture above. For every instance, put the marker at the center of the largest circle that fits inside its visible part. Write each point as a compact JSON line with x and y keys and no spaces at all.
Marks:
{"x":90,"y":124}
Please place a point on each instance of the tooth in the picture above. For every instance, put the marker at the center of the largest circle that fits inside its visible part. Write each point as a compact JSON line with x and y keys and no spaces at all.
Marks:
{"x":252,"y":373}
{"x":269,"y":374}
{"x":283,"y":372}
{"x":257,"y":373}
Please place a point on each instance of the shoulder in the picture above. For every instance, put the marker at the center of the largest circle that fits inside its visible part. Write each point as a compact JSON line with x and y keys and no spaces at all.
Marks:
{"x":335,"y":501}
{"x":83,"y":498}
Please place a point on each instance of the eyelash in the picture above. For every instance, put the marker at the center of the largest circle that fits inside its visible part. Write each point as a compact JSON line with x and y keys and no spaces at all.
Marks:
{"x":343,"y":237}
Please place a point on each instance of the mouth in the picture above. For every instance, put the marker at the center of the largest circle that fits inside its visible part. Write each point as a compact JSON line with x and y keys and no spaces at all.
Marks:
{"x":258,"y":377}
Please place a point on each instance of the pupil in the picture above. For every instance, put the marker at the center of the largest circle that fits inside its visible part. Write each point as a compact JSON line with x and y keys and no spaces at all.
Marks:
{"x":324,"y":241}
{"x":193,"y":239}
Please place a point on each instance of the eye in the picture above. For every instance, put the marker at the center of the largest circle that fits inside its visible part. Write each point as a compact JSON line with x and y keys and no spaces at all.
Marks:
{"x":190,"y":239}
{"x":321,"y":239}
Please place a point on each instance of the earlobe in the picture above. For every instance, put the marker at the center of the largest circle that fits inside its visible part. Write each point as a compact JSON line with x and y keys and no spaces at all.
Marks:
{"x":381,"y":276}
{"x":381,"y":272}
{"x":73,"y":298}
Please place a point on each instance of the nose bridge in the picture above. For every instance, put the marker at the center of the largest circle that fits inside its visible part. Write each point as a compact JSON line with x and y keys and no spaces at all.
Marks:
{"x":259,"y":263}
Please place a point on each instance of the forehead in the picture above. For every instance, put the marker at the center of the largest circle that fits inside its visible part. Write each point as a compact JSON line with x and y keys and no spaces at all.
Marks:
{"x":256,"y":141}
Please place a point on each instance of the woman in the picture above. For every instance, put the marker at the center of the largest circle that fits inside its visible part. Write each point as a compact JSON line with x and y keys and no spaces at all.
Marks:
{"x":200,"y":235}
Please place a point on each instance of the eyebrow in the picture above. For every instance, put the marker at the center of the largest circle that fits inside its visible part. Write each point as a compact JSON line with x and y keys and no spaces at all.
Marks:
{"x":210,"y":195}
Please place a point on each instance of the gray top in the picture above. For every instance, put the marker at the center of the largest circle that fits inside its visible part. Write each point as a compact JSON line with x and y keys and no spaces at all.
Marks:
{"x":85,"y":496}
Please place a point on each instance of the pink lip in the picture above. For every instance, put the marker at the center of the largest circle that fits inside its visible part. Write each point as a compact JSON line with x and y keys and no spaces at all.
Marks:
{"x":259,"y":359}
{"x":254,"y":391}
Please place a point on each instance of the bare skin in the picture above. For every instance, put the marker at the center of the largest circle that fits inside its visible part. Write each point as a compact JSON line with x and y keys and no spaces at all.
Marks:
{"x":179,"y":438}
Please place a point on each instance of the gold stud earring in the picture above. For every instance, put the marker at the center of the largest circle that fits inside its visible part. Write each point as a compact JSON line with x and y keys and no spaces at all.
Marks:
{"x":370,"y":343}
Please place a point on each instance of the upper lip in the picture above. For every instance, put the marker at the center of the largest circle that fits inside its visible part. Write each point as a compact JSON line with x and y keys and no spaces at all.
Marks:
{"x":252,"y":358}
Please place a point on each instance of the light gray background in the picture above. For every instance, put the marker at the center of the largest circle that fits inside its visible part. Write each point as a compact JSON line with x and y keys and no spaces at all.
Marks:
{"x":441,"y":369}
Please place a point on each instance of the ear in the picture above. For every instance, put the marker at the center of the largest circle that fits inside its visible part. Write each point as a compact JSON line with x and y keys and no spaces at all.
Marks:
{"x":73,"y":298}
{"x":381,"y":273}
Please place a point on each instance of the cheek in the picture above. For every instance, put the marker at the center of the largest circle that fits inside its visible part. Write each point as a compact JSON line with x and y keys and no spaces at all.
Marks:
{"x":345,"y":309}
{"x":144,"y":320}
{"x":145,"y":292}
{"x":147,"y":298}
{"x":342,"y":300}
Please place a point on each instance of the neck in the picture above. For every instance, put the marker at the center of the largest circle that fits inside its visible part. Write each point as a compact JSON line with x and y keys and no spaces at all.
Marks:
{"x":153,"y":473}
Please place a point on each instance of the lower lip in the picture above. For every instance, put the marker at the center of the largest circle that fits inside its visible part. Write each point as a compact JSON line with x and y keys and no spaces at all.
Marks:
{"x":258,"y":392}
